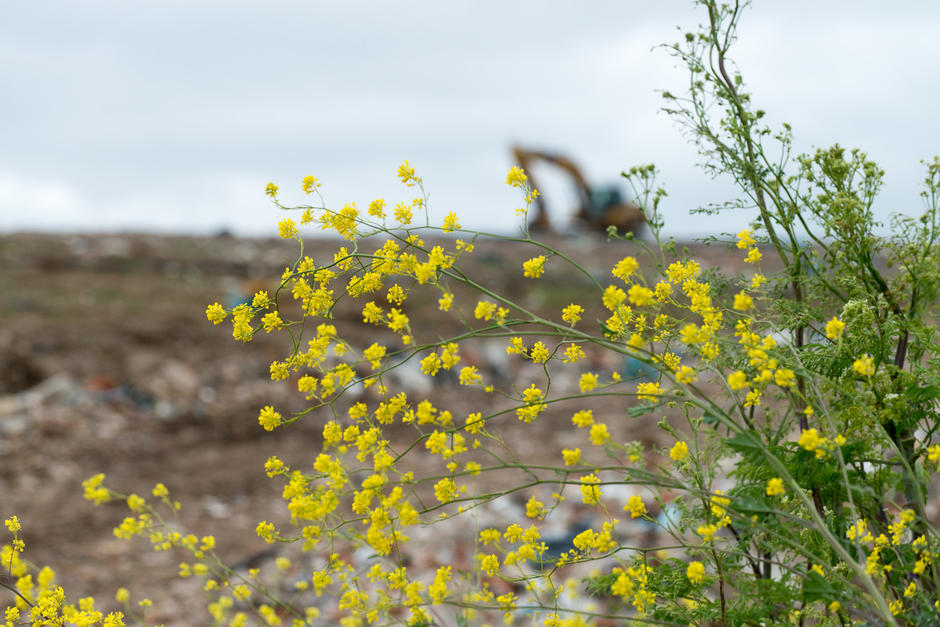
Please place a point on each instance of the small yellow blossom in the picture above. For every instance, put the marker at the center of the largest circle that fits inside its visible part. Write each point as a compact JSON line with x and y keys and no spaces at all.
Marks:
{"x":679,"y":451}
{"x":784,"y":377}
{"x":516,"y":177}
{"x":590,"y":490}
{"x":445,"y":302}
{"x":215,"y":313}
{"x":539,"y":353}
{"x":309,"y":183}
{"x":534,"y":268}
{"x":933,"y":453}
{"x":583,"y":418}
{"x":625,"y":267}
{"x":571,"y":456}
{"x":377,"y":208}
{"x":737,"y":380}
{"x":287,"y":229}
{"x":572,"y":313}
{"x":599,"y":434}
{"x":648,"y":392}
{"x":834,"y":328}
{"x":707,"y":531}
{"x":406,"y":174}
{"x":743,"y":302}
{"x":745,"y":239}
{"x":753,"y":256}
{"x":588,"y":382}
{"x":268,"y":418}
{"x":775,"y":487}
{"x":695,"y":572}
{"x":640,"y":296}
{"x":811,"y":440}
{"x":864,"y":365}
{"x":450,"y":223}
{"x":635,"y":507}
{"x":573,"y":353}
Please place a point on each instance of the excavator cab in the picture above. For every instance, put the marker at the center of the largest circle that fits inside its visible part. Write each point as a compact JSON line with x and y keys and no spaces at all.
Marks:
{"x":603,"y":199}
{"x":599,"y":207}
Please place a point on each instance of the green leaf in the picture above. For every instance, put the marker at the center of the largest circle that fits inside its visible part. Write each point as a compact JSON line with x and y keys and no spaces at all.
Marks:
{"x":748,"y":443}
{"x":815,"y":588}
{"x":753,"y":505}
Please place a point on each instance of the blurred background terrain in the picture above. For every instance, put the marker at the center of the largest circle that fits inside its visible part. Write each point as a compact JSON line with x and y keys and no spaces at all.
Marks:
{"x":108,"y":364}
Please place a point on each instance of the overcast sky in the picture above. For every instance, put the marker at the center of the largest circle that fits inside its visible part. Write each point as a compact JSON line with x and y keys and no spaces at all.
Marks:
{"x":173,"y":115}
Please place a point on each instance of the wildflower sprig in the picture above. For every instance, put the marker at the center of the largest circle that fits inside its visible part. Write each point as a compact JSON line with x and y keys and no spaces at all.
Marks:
{"x":796,"y":399}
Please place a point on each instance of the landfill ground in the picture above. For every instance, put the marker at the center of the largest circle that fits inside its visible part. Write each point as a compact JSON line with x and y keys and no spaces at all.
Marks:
{"x":108,"y":365}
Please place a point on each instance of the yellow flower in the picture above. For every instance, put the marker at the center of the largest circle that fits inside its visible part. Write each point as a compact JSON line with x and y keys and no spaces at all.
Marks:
{"x":489,"y":564}
{"x":268,"y":418}
{"x":613,"y":296}
{"x":377,"y":208}
{"x":753,"y":256}
{"x":933,"y":453}
{"x":572,"y":313}
{"x":635,"y":506}
{"x":685,"y":374}
{"x":590,"y":491}
{"x":640,"y":296}
{"x":834,"y":328}
{"x":573,"y":353}
{"x":516,"y":177}
{"x":707,"y":531}
{"x":811,"y":440}
{"x":445,"y":490}
{"x":534,"y":508}
{"x":679,"y":451}
{"x":406,"y":174}
{"x":625,"y":267}
{"x":599,"y":434}
{"x":695,"y":572}
{"x":648,"y":391}
{"x":470,"y":376}
{"x":215,"y":313}
{"x":737,"y":380}
{"x":864,"y":365}
{"x":539,"y":353}
{"x":583,"y":418}
{"x":757,"y":280}
{"x":309,"y":184}
{"x":13,"y":524}
{"x":534,"y":268}
{"x":745,"y":239}
{"x":571,"y":456}
{"x":775,"y":487}
{"x":743,"y":302}
{"x":287,"y":229}
{"x":403,"y":213}
{"x":784,"y":377}
{"x":450,"y":223}
{"x":484,"y":310}
{"x":444,"y":302}
{"x":271,"y":190}
{"x":588,"y":382}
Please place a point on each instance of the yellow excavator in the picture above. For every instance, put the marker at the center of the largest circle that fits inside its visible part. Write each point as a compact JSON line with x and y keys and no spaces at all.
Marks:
{"x":599,"y":206}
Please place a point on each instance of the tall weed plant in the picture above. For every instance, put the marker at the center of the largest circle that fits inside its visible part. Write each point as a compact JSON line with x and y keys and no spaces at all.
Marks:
{"x":801,"y":408}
